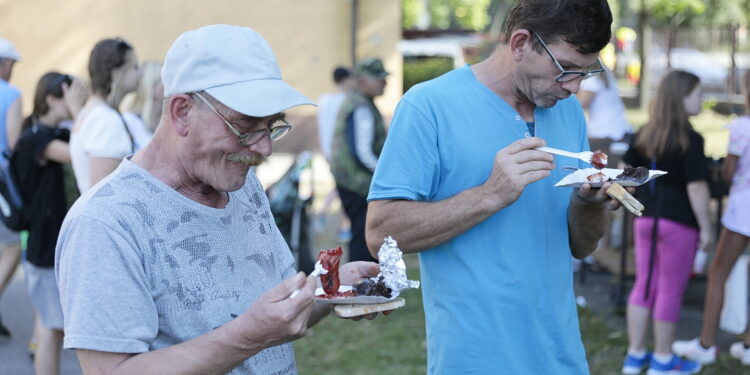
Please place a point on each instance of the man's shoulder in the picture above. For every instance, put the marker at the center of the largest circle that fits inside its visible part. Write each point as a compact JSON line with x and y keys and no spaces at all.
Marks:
{"x":106,"y":200}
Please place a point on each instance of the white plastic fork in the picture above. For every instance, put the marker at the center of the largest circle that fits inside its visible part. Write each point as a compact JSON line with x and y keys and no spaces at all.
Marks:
{"x":584,"y":155}
{"x":319,"y":270}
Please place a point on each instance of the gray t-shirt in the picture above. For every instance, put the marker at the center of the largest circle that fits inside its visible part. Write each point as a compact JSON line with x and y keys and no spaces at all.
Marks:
{"x":141,"y":267}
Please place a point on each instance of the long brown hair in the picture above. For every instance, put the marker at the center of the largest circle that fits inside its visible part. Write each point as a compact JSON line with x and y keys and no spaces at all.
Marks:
{"x":50,"y":84}
{"x":668,"y":128}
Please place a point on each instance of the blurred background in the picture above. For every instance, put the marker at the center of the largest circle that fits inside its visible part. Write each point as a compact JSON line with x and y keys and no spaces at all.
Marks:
{"x":417,"y":40}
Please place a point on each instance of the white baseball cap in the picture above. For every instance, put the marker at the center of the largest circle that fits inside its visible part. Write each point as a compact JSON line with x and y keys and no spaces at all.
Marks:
{"x":235,"y":65}
{"x":8,"y":50}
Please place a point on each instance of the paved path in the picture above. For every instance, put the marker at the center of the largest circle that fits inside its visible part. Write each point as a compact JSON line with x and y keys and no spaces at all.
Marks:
{"x":18,"y":316}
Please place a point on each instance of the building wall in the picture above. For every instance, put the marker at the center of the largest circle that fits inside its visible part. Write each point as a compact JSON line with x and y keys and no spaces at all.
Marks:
{"x":309,"y":37}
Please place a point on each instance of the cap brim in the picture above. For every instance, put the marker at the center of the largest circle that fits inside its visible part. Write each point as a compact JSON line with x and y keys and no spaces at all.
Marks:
{"x":259,"y":98}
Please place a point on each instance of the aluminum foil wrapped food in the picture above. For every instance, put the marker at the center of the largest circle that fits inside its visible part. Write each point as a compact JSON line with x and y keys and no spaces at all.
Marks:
{"x":392,"y":267}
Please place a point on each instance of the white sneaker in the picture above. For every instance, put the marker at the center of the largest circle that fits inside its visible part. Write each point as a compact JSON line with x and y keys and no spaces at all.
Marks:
{"x":738,"y":350}
{"x":693,"y":350}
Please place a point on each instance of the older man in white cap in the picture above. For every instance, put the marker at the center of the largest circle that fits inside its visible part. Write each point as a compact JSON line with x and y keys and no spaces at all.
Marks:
{"x":173,"y":263}
{"x":10,"y":128}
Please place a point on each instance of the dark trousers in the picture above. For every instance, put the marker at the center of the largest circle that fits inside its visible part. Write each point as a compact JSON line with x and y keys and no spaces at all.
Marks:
{"x":355,"y":207}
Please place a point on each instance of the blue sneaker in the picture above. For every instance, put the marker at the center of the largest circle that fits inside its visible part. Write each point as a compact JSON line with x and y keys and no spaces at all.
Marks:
{"x":634,"y":365}
{"x":677,"y":366}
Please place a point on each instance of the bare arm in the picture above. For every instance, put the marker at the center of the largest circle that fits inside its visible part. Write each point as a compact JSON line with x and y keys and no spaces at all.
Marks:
{"x":728,"y":167}
{"x":698,"y":194}
{"x":588,"y":219}
{"x":58,"y":151}
{"x":13,"y":121}
{"x":272,"y":320}
{"x":419,"y":226}
{"x":102,"y":167}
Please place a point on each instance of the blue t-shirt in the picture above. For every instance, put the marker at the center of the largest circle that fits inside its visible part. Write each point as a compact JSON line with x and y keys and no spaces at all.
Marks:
{"x":8,"y":95}
{"x":498,"y":298}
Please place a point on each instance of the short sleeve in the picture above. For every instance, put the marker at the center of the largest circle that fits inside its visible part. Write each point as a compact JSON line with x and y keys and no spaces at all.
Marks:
{"x":104,"y":290}
{"x":105,"y":136}
{"x":739,"y":137}
{"x":31,"y":146}
{"x":695,"y":164}
{"x":409,"y":164}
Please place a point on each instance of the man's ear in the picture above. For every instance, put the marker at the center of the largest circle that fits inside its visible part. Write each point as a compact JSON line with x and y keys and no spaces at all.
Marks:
{"x":178,"y":110}
{"x":520,"y":43}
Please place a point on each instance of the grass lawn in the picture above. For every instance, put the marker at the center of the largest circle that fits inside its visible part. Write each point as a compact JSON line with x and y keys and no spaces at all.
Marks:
{"x":395,"y":345}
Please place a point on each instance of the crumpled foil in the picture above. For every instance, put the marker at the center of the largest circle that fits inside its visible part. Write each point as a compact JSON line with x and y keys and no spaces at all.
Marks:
{"x":392,"y":267}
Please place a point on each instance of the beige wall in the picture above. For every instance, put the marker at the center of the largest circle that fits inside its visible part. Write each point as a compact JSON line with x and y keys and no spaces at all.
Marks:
{"x":309,"y":37}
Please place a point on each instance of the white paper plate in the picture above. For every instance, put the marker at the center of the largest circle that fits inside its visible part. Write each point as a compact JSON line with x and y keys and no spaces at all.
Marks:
{"x":359,"y":300}
{"x":580,"y":177}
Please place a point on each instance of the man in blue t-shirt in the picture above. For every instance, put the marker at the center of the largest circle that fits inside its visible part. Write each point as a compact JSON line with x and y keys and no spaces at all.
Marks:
{"x":459,"y":180}
{"x":10,"y":126}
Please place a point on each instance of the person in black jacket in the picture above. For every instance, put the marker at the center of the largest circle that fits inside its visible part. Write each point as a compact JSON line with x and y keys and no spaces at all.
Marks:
{"x":37,"y":165}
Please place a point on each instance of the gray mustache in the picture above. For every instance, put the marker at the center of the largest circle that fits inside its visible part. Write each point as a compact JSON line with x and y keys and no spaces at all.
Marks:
{"x":249,"y":160}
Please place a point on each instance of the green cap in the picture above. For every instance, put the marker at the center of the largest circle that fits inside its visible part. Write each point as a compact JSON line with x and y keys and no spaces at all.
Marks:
{"x":371,"y":67}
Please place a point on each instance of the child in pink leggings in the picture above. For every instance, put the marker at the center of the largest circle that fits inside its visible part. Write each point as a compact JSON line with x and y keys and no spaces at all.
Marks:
{"x":674,"y":225}
{"x":671,"y":270}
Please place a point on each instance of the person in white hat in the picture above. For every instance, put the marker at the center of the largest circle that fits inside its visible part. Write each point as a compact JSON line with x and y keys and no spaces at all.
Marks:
{"x":10,"y":128}
{"x":173,"y":263}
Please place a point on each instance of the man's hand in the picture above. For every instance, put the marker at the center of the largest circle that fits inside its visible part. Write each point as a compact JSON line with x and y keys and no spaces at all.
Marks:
{"x":515,"y":167}
{"x":589,"y":194}
{"x":276,"y":319}
{"x":352,"y":272}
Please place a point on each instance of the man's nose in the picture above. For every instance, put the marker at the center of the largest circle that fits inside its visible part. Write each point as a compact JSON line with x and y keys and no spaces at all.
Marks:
{"x":572,"y":86}
{"x":263,"y":146}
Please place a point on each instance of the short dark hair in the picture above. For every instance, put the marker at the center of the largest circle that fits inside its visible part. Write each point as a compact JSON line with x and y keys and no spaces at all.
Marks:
{"x":341,"y":73}
{"x":586,"y":24}
{"x":107,"y":55}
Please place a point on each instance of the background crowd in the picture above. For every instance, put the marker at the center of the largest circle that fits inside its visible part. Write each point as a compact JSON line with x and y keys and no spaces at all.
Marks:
{"x":79,"y":129}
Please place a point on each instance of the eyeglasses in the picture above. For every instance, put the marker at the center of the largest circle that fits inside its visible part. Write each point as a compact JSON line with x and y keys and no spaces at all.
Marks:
{"x":570,"y":75}
{"x":251,"y":137}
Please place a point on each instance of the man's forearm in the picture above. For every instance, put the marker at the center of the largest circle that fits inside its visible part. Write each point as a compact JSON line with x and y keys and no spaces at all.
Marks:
{"x":586,"y":225}
{"x":419,"y":226}
{"x":216,"y":352}
{"x":320,"y":310}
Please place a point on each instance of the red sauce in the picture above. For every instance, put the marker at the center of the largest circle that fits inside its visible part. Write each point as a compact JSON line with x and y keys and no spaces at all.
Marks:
{"x":349,"y":293}
{"x":599,"y":159}
{"x":330,"y":260}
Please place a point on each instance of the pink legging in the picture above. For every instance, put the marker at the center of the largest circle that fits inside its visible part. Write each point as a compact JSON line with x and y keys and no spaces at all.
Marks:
{"x":675,"y":249}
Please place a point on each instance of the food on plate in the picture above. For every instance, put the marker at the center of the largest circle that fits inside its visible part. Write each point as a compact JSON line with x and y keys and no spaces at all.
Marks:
{"x":638,"y":175}
{"x":599,"y":159}
{"x":373,"y":287}
{"x":597,"y":177}
{"x":330,"y":260}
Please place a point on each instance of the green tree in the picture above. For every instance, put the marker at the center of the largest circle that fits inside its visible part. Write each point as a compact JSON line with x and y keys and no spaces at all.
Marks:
{"x":448,"y":14}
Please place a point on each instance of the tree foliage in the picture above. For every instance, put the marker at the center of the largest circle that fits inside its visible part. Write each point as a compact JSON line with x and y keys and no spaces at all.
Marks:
{"x":448,"y":14}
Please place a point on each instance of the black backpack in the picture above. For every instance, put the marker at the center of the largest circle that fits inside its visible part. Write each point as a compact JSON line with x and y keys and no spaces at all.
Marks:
{"x":12,"y":208}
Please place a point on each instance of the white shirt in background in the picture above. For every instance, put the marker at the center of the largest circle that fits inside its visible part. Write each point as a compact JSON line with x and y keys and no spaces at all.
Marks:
{"x":606,"y":114}
{"x":99,"y":132}
{"x":328,"y":109}
{"x":141,"y":135}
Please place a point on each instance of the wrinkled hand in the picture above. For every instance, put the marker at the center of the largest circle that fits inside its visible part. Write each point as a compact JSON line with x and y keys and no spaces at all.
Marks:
{"x":276,"y":319}
{"x":352,"y":272}
{"x":589,"y":194}
{"x":515,"y":167}
{"x":75,"y":95}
